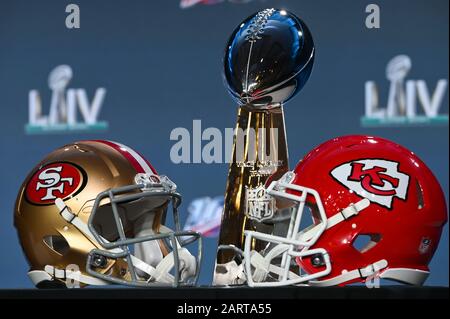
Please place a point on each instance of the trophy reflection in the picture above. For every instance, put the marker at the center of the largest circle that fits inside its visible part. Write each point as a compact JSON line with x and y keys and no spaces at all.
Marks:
{"x":268,"y":59}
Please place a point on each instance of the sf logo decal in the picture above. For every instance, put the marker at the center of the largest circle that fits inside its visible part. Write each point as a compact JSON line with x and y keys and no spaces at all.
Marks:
{"x":56,"y":180}
{"x":51,"y":180}
{"x":377,"y":180}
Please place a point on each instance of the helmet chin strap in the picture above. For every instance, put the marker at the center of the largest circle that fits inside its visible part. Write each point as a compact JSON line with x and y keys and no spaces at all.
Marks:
{"x":151,"y":253}
{"x":368,"y":271}
{"x":346,"y":213}
{"x":158,"y":269}
{"x":263,"y":264}
{"x":50,"y":273}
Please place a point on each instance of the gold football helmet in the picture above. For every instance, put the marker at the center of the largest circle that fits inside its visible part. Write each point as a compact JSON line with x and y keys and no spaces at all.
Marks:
{"x":93,"y":213}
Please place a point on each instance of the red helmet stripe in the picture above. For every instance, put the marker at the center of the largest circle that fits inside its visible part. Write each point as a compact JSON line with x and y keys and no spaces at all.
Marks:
{"x":139,"y":162}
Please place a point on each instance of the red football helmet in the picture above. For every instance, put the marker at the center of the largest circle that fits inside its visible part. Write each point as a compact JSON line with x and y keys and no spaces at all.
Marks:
{"x":354,"y":187}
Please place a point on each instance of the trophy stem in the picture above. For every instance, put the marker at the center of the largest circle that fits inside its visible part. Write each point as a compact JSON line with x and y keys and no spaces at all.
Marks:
{"x":259,"y":152}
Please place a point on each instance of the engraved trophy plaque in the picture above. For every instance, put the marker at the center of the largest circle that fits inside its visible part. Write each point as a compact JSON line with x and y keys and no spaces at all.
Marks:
{"x":268,"y":59}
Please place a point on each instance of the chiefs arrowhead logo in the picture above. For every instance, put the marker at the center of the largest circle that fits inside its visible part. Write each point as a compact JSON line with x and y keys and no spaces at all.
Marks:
{"x":55,"y":180}
{"x":377,"y":180}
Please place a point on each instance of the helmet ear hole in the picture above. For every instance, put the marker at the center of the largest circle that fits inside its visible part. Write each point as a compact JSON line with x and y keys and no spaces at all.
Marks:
{"x":51,"y":284}
{"x":57,"y":243}
{"x":365,"y":242}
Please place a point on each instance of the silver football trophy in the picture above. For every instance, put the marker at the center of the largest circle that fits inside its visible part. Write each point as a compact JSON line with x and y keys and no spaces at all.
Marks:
{"x":268,"y":60}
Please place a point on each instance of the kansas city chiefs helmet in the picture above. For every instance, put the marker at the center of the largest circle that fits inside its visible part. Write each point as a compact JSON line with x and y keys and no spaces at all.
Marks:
{"x":93,"y":213}
{"x":362,"y":207}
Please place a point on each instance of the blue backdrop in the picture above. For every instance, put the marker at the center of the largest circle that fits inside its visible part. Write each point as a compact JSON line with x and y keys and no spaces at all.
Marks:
{"x":161,"y":66}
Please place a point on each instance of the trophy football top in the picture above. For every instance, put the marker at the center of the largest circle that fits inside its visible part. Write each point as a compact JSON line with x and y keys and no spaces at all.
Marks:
{"x":268,"y":58}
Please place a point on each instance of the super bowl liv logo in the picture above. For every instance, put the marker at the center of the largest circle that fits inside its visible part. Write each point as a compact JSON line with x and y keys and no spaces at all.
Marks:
{"x":402,"y":107}
{"x":65,"y":105}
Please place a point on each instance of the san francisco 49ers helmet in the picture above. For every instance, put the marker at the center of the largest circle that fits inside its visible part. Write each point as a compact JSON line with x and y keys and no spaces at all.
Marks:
{"x":375,"y":211}
{"x":93,"y":213}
